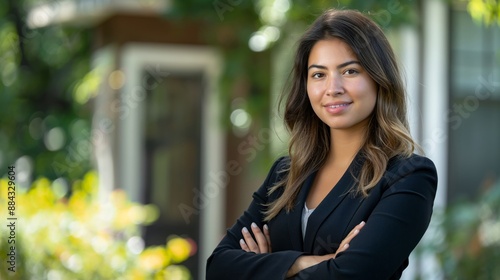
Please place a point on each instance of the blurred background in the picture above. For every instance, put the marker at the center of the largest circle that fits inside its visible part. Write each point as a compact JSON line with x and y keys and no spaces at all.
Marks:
{"x":139,"y":129}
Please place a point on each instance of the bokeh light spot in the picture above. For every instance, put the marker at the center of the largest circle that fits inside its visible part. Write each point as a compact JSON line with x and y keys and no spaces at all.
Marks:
{"x":116,"y":79}
{"x":135,"y":244}
{"x":55,"y":139}
{"x":240,"y":118}
{"x":60,"y":187}
{"x":24,"y":168}
{"x":258,"y":42}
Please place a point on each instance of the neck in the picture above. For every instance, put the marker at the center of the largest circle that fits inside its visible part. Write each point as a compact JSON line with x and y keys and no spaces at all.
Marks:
{"x":345,"y":144}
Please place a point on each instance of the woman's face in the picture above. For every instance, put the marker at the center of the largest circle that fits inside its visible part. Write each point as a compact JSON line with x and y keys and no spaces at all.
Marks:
{"x":341,"y":92}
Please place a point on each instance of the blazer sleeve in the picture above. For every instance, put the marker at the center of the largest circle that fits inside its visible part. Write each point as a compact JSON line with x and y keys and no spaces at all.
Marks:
{"x":392,"y":230}
{"x":229,"y":261}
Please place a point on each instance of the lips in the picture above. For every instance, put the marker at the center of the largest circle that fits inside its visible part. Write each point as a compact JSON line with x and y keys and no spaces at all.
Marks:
{"x":337,"y":107}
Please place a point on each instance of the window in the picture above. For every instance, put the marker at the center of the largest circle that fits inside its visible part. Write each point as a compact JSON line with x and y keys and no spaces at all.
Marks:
{"x":474,"y":116}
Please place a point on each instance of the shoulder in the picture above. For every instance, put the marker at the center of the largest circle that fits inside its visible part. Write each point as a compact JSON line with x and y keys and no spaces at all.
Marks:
{"x":401,"y":167}
{"x":277,"y":173}
{"x":281,"y":164}
{"x":279,"y":169}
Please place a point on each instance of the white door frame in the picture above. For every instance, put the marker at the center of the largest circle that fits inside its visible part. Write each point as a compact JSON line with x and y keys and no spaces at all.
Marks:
{"x":159,"y":58}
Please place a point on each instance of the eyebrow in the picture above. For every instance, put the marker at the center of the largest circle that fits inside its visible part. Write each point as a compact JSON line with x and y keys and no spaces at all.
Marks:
{"x":338,"y":67}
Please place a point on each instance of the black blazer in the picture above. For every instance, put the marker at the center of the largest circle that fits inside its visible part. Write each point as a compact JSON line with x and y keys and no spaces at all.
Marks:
{"x":397,"y":212}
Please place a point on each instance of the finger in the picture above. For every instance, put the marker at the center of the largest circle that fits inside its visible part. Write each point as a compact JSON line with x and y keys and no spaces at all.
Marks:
{"x":345,"y":243}
{"x":355,"y":231}
{"x":342,"y":248}
{"x":360,"y":225}
{"x":260,"y":238}
{"x":268,"y":237}
{"x":349,"y":237}
{"x":244,"y":246}
{"x":252,"y":246}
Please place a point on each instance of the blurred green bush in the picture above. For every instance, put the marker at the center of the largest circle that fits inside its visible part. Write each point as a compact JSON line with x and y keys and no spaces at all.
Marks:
{"x":81,"y":236}
{"x":469,"y":244}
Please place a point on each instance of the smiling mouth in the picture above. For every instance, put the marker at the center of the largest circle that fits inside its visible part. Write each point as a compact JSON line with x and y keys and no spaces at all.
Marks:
{"x":338,"y":105}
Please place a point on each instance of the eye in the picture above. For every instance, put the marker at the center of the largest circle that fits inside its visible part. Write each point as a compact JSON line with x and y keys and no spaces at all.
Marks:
{"x":351,"y":72}
{"x":317,"y":75}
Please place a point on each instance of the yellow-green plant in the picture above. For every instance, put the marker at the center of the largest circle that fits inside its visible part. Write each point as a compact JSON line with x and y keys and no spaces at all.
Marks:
{"x":485,"y":11}
{"x":82,"y":236}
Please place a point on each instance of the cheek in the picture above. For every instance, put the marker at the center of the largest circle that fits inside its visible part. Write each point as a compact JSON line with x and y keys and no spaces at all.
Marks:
{"x":373,"y":96}
{"x":369,"y":101}
{"x":368,"y":93}
{"x":313,"y":93}
{"x":372,"y":102}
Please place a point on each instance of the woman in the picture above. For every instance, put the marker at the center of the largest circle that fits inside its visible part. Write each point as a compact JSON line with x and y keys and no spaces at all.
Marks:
{"x":352,"y":200}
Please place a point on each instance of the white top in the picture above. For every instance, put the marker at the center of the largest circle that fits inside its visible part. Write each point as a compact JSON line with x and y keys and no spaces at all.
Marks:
{"x":305,"y":217}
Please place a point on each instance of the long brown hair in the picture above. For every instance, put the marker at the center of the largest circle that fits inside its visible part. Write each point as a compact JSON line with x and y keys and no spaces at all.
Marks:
{"x":388,"y":132}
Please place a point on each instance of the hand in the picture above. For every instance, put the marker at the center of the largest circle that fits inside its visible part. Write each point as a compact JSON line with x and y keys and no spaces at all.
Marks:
{"x":345,"y":243}
{"x":262,"y":242}
{"x":304,"y":262}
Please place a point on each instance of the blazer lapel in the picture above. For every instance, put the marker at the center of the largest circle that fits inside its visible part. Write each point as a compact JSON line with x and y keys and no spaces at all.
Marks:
{"x":330,"y":202}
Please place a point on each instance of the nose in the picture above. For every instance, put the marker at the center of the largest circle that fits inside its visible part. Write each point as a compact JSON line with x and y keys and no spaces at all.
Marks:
{"x":334,"y":85}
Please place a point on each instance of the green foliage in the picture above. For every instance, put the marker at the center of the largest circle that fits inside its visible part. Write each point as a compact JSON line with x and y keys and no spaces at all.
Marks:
{"x":40,"y":68}
{"x":469,"y":246}
{"x":84,"y":237}
{"x":386,"y":13}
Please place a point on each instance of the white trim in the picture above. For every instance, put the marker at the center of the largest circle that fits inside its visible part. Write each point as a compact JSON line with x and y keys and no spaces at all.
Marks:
{"x":410,"y":60}
{"x":435,"y":90}
{"x":435,"y":105}
{"x":135,"y":58}
{"x":103,"y":129}
{"x":409,"y":53}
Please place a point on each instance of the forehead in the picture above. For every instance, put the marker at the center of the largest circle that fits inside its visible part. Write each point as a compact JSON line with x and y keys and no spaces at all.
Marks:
{"x":331,"y":50}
